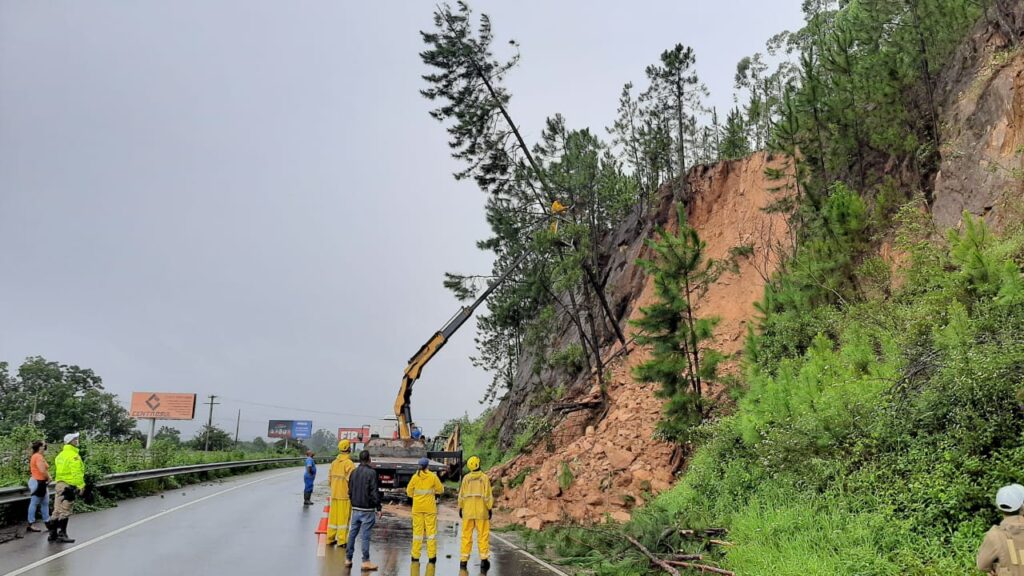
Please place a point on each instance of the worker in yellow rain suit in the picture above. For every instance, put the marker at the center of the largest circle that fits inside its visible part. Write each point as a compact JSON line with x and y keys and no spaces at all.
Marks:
{"x":341,"y":506}
{"x":475,"y":503}
{"x":424,"y":487}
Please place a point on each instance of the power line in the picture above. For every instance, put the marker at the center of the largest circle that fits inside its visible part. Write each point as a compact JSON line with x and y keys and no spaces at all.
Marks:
{"x":314,"y":411}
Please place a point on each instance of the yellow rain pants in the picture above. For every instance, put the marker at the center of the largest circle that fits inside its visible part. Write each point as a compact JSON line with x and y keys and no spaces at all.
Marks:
{"x":338,"y":519}
{"x":483,"y":538}
{"x":424,"y":525}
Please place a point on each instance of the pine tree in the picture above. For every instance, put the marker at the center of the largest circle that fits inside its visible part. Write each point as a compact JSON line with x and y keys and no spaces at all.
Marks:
{"x":677,"y":93}
{"x":735,"y":143}
{"x":681,"y":360}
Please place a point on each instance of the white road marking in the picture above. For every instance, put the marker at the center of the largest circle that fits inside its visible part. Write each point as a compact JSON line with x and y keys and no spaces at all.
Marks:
{"x":137,"y":523}
{"x":528,"y":555}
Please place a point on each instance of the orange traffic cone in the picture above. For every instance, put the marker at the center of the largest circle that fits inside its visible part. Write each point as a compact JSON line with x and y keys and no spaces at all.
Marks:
{"x":321,"y":533}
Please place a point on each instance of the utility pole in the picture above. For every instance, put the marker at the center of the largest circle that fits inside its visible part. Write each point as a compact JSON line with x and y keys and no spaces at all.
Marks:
{"x":238,"y":422}
{"x":209,"y":423}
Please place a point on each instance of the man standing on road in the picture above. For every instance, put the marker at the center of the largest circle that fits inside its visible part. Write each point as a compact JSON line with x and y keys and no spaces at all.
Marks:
{"x":70,"y":478}
{"x":309,"y":477}
{"x":341,"y":507}
{"x":364,"y":492}
{"x":475,"y":503}
{"x":424,"y":487}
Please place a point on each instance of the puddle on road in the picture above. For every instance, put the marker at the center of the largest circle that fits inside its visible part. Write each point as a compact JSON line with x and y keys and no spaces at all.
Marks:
{"x":390,"y":549}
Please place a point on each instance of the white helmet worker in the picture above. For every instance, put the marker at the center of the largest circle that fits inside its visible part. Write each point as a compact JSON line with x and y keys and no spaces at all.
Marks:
{"x":1010,"y":498}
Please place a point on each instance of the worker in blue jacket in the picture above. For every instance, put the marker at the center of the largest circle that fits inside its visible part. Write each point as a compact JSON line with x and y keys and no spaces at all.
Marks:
{"x":309,"y":477}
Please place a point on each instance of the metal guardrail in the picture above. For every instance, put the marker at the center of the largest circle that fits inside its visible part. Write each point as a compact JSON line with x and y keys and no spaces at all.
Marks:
{"x":16,"y":493}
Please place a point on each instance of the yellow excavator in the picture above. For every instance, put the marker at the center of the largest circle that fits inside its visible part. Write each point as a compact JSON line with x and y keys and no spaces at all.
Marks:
{"x":395,"y":458}
{"x":403,"y":404}
{"x":403,"y":411}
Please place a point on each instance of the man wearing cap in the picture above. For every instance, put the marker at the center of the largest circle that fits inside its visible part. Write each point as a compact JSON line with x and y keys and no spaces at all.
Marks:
{"x":341,"y":507}
{"x":475,"y":503}
{"x":424,"y":487}
{"x":70,"y":479}
{"x":1002,"y":550}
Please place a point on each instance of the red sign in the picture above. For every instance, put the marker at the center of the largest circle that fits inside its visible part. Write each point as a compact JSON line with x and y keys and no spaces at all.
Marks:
{"x":353,"y":434}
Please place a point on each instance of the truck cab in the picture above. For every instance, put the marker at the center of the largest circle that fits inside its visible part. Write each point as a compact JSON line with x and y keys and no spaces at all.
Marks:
{"x":396,"y":460}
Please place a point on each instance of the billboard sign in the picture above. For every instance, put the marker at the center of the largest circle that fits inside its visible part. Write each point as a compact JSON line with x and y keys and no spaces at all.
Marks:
{"x":353,"y":434}
{"x":163,"y":405}
{"x":293,"y":429}
{"x":302,"y":429}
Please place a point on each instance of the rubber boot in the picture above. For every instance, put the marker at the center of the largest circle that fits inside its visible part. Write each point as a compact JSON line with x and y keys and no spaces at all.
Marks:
{"x":62,"y":535}
{"x":306,"y":501}
{"x":51,"y":526}
{"x":485,"y":565}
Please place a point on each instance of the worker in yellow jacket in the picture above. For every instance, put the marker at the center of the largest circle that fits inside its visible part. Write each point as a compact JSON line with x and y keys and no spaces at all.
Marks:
{"x":424,"y":487}
{"x":341,"y":507}
{"x":475,"y":503}
{"x":70,"y":479}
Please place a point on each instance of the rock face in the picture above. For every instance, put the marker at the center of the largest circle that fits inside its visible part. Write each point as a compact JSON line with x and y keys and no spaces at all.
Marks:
{"x":614,"y":459}
{"x":982,"y":168}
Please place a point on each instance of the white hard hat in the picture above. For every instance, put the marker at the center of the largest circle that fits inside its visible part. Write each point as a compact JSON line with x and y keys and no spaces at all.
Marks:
{"x":1010,"y":498}
{"x":70,"y":436}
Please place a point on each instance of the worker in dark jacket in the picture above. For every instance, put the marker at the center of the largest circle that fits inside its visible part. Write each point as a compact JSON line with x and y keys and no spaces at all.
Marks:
{"x":364,"y":493}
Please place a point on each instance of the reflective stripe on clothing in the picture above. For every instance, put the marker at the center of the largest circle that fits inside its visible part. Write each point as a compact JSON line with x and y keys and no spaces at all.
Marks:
{"x":475,"y":498}
{"x":424,"y":525}
{"x":483,"y":538}
{"x":338,"y":519}
{"x":423,"y":488}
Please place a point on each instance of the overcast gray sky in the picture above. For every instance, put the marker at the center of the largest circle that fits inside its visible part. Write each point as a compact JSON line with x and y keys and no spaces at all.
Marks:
{"x":248,"y":198}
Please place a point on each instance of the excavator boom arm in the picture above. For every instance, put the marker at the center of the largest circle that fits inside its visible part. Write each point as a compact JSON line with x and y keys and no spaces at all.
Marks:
{"x":403,"y":410}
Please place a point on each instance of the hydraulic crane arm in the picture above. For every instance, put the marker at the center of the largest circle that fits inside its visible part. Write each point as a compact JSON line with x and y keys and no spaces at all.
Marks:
{"x":403,"y":411}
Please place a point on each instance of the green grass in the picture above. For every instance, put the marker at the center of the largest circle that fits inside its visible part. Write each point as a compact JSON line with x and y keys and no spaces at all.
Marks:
{"x":871,"y":444}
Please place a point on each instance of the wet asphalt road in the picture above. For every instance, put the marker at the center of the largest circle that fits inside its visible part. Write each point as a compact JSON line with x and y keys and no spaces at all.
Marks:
{"x":250,"y":524}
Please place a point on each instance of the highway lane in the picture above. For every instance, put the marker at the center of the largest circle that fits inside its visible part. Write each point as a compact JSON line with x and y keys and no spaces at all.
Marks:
{"x":250,"y":524}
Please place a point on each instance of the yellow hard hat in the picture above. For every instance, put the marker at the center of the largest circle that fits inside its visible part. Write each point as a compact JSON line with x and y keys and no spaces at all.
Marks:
{"x":343,"y":445}
{"x":473,"y":463}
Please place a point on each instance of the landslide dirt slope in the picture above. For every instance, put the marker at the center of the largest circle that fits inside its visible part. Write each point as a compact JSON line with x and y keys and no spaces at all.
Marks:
{"x":614,"y":460}
{"x":982,"y":95}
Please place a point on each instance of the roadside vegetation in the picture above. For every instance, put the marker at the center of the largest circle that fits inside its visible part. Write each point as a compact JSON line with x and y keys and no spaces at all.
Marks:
{"x":880,"y":403}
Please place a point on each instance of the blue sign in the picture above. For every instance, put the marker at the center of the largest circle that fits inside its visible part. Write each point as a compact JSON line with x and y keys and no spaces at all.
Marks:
{"x":302,"y":429}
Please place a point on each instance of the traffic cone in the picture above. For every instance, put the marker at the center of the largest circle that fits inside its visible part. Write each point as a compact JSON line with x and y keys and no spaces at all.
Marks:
{"x":321,"y":533}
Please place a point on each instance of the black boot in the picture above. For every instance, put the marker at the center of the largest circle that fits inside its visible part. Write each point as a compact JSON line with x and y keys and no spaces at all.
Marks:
{"x":306,"y":498}
{"x":51,"y":526}
{"x":62,"y":535}
{"x":485,"y":565}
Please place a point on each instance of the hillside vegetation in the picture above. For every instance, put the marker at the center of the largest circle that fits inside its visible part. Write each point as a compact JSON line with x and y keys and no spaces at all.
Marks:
{"x":877,"y":403}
